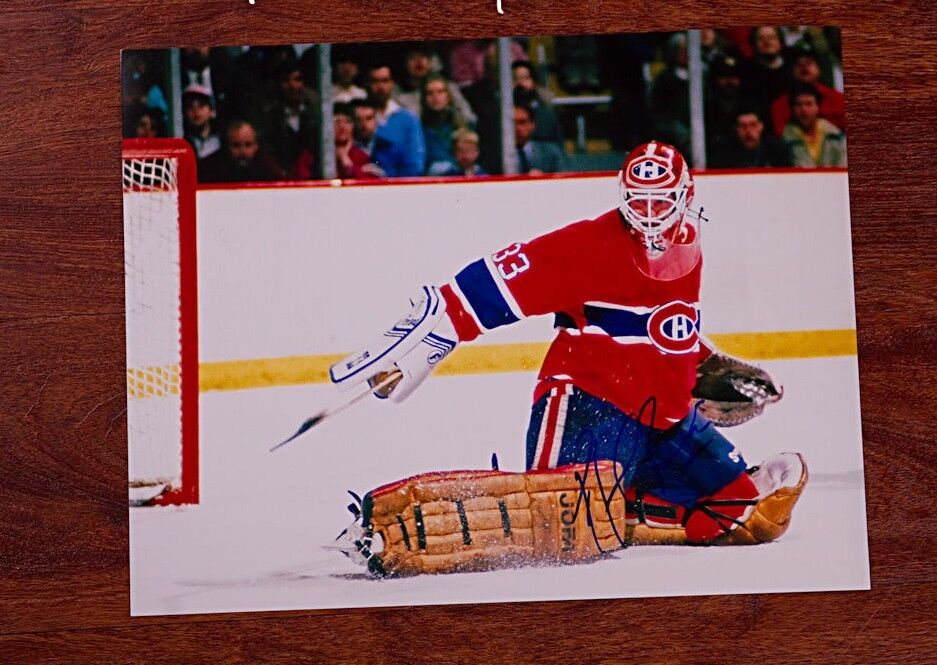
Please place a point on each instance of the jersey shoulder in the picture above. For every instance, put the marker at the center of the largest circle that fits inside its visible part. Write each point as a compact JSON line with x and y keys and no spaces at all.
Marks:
{"x":594,"y":233}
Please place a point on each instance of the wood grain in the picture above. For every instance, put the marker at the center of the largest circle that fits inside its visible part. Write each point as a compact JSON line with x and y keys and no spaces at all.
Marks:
{"x":63,"y":517}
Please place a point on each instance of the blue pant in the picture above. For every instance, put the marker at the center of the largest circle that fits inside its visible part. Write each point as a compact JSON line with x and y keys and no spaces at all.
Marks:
{"x":679,"y":464}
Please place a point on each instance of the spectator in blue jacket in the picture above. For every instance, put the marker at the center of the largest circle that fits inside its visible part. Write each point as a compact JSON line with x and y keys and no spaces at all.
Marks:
{"x":398,"y":147}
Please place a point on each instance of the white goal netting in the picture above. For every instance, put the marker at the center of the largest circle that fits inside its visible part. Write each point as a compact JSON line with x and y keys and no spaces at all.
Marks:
{"x":154,"y":288}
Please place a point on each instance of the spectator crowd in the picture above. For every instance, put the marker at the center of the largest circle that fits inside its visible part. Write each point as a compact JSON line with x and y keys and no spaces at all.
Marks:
{"x":773,"y":97}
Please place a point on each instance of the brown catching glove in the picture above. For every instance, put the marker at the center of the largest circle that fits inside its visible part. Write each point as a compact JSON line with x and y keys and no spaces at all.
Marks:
{"x":731,"y":392}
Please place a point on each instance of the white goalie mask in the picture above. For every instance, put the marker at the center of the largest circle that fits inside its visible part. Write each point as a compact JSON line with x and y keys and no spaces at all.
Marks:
{"x":656,"y":190}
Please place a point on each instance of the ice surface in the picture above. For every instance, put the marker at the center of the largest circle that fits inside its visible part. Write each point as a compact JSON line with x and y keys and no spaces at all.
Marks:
{"x":256,"y":541}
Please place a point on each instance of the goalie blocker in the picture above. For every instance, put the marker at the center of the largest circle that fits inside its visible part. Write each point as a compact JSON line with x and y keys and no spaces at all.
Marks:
{"x":445,"y":522}
{"x":414,"y":345}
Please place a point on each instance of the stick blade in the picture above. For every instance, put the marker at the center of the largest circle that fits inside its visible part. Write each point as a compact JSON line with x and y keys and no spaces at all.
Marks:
{"x":305,"y":427}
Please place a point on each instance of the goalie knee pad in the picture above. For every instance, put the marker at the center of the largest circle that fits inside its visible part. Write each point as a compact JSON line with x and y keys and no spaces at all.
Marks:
{"x":719,"y":513}
{"x":729,"y":516}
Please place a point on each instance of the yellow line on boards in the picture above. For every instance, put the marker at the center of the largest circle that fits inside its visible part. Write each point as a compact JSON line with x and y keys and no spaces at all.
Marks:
{"x":492,"y":358}
{"x":787,"y":344}
{"x":265,"y":372}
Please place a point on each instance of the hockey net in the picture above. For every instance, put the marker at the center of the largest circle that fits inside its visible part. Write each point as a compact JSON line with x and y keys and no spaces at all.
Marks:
{"x":162,"y":321}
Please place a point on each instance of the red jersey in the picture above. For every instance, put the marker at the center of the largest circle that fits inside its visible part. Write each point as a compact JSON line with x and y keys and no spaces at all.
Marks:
{"x":622,"y":336}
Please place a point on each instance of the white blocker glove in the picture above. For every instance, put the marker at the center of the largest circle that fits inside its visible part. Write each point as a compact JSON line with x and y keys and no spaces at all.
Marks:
{"x":412,"y":347}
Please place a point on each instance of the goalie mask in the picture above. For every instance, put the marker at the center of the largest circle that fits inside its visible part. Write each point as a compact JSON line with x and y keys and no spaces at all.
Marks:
{"x":656,"y":190}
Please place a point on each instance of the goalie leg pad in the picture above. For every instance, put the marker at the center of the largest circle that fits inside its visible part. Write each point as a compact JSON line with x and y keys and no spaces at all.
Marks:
{"x":445,"y":522}
{"x":476,"y":520}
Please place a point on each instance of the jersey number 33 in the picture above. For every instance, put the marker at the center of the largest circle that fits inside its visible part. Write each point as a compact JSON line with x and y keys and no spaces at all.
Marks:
{"x":511,"y":262}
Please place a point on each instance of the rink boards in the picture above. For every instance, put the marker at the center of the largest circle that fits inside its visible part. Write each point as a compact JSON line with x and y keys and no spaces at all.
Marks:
{"x":293,"y":276}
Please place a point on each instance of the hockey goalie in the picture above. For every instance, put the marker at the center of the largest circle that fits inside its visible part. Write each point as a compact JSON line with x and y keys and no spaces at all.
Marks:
{"x":622,"y":444}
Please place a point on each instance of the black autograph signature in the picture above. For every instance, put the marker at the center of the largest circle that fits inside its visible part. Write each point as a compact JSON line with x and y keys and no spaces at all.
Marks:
{"x":623,"y":472}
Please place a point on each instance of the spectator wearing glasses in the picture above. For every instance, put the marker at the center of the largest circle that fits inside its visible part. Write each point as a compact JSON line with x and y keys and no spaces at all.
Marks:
{"x":398,"y":147}
{"x":351,"y":161}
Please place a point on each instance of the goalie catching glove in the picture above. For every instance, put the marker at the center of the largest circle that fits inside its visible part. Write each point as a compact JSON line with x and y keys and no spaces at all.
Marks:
{"x":730,"y":392}
{"x":412,"y":347}
{"x":445,"y":522}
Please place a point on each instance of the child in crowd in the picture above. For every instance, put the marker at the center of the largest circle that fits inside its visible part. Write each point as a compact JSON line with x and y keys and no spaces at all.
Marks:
{"x":199,"y":111}
{"x":466,"y":151}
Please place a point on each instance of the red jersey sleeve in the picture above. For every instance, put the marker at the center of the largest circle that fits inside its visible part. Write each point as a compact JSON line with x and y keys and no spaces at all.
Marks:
{"x":541,"y":276}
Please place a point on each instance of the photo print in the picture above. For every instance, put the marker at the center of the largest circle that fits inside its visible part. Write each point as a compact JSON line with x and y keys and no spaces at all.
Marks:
{"x":490,"y":320}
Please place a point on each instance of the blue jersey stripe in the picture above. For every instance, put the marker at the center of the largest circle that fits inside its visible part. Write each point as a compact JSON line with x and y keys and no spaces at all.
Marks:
{"x":483,"y":296}
{"x":617,"y":322}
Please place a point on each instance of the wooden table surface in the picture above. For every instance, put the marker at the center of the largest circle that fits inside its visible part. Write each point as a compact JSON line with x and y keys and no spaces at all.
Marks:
{"x":63,"y":511}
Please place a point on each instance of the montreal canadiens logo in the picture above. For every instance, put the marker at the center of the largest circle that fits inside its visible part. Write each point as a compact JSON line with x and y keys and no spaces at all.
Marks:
{"x":673,"y":327}
{"x":649,"y":172}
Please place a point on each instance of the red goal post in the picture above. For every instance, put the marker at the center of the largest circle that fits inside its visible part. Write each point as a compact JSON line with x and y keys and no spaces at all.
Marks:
{"x":159,"y":188}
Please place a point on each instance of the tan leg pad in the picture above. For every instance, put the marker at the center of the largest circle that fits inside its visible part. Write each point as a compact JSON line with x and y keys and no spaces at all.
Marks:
{"x":471,"y":520}
{"x":476,"y":520}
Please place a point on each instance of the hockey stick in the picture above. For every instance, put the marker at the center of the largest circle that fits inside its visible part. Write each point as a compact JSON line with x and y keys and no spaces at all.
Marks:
{"x":327,"y":413}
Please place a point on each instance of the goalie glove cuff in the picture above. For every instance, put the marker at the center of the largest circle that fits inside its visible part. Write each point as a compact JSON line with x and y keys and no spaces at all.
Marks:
{"x":414,"y":345}
{"x":418,"y":363}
